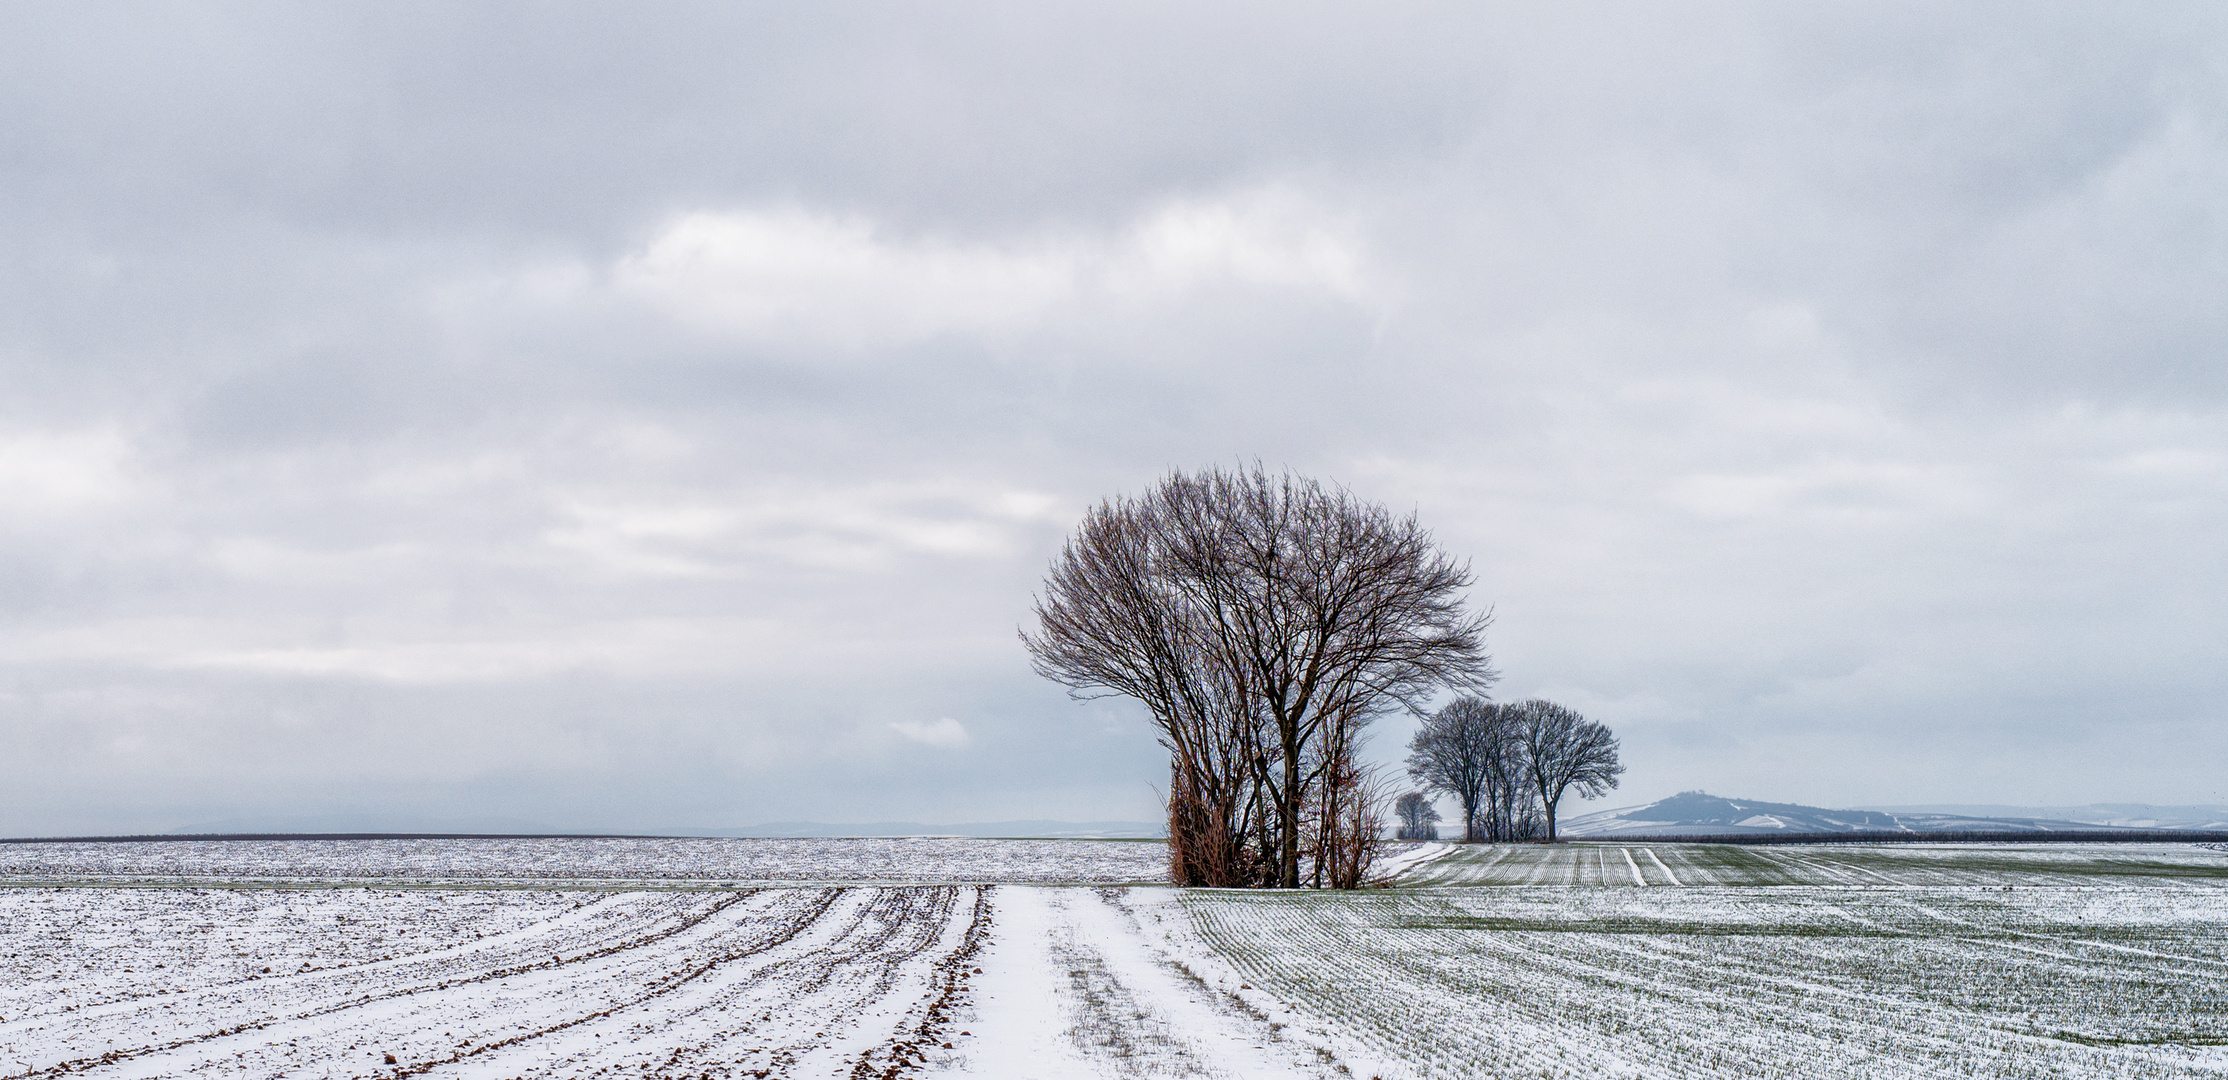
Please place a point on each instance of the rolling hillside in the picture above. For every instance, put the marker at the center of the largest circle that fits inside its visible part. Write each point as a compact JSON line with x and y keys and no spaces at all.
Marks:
{"x":1697,"y":813}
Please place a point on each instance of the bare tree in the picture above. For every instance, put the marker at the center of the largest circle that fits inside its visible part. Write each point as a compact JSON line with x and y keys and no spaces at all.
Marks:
{"x":1418,"y":818}
{"x":1475,"y":751}
{"x":1115,"y":619}
{"x":1452,"y":752}
{"x":1347,"y":825}
{"x":1263,"y":621}
{"x":1566,"y":750}
{"x":1512,"y":805}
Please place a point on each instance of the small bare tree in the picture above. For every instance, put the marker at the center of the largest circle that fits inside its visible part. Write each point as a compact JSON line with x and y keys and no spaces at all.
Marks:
{"x":1564,"y":751}
{"x":1352,"y":834}
{"x":1418,"y":817}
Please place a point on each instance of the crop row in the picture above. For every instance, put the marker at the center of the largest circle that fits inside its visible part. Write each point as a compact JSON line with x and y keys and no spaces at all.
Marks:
{"x":1615,"y":864}
{"x":393,"y":984}
{"x":1802,"y":982}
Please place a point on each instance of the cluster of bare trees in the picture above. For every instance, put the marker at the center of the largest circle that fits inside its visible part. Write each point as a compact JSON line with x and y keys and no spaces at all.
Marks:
{"x":1509,"y":765}
{"x":1264,"y":621}
{"x":1418,"y":818}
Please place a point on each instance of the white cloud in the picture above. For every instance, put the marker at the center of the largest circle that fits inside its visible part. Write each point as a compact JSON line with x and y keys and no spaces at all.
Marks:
{"x":792,"y":275}
{"x":410,"y":652}
{"x":1837,"y":489}
{"x":2169,"y":465}
{"x":48,"y":472}
{"x":863,"y":527}
{"x":945,"y":734}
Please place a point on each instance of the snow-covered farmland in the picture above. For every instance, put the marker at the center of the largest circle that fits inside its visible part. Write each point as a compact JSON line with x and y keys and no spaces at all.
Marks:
{"x":2021,"y":864}
{"x":2118,"y":976}
{"x":844,"y":981}
{"x":2054,"y":960}
{"x":160,"y":983}
{"x":616,"y":862}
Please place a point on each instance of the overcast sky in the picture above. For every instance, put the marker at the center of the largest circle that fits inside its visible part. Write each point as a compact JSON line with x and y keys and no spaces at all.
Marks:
{"x":642,"y":416}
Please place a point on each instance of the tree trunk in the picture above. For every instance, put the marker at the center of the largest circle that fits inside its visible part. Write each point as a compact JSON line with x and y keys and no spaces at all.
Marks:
{"x":1288,"y":854}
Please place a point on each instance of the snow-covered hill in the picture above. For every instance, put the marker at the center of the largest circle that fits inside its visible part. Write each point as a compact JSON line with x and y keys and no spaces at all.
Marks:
{"x":2093,"y":815}
{"x":1697,"y":813}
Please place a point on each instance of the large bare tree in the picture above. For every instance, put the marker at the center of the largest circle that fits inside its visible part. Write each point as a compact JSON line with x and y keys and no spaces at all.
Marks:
{"x":1263,"y":620}
{"x":1116,"y":617}
{"x":1565,"y":751}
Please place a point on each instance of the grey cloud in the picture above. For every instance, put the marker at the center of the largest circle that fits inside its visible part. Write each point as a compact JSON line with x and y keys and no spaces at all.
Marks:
{"x":1830,"y":399}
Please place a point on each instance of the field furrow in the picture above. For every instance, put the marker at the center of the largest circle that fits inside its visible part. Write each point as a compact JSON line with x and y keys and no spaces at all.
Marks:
{"x":1849,"y":865}
{"x":1806,"y":981}
{"x":1536,"y":961}
{"x":764,"y":983}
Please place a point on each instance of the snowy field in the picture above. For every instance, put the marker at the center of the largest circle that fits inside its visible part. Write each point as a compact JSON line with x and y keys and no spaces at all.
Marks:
{"x":1789,"y":981}
{"x":800,"y":981}
{"x":2002,"y":961}
{"x":601,"y":863}
{"x":835,"y":981}
{"x":2021,"y":864}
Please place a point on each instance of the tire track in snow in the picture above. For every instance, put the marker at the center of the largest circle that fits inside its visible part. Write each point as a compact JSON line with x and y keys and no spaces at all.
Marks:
{"x":1116,"y":983}
{"x":1637,"y":877}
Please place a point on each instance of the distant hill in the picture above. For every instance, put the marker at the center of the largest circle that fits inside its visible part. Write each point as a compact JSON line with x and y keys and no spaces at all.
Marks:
{"x":1697,"y":813}
{"x":2093,"y":815}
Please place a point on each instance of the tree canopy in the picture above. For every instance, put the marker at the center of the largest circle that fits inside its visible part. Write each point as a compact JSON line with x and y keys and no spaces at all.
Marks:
{"x":1262,"y":620}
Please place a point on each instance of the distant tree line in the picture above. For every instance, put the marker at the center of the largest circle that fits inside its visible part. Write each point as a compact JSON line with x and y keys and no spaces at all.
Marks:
{"x":1264,"y":621}
{"x":1509,"y":765}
